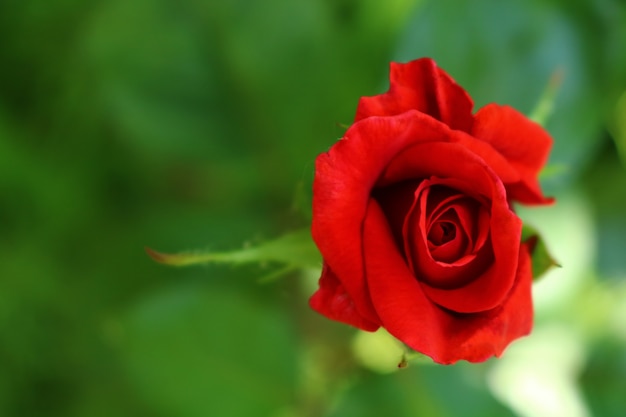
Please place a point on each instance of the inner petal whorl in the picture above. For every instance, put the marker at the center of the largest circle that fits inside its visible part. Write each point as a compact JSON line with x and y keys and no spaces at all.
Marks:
{"x":439,"y":234}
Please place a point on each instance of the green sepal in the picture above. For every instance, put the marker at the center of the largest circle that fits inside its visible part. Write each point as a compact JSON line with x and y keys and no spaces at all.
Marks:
{"x":541,"y":258}
{"x":411,"y":356}
{"x":294,"y":250}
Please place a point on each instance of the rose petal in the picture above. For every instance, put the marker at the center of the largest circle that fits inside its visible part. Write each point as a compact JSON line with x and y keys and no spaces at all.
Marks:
{"x":439,"y":199}
{"x":332,"y":300}
{"x":435,"y":204}
{"x":482,"y":228}
{"x":409,"y":315}
{"x":473,"y":216}
{"x":455,"y":248}
{"x":468,"y":173}
{"x":421,"y":85}
{"x":443,"y":199}
{"x":452,"y":274}
{"x":396,"y":200}
{"x":468,"y":212}
{"x":496,"y":161}
{"x":490,"y":286}
{"x":522,"y":142}
{"x":450,"y":161}
{"x":444,"y":230}
{"x":344,"y":178}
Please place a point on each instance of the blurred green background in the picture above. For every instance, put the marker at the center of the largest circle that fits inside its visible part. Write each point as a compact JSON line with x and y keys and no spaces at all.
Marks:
{"x":193,"y":123}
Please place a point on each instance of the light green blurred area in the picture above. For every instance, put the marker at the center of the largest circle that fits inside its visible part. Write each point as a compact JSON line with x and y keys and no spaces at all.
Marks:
{"x":192,"y":124}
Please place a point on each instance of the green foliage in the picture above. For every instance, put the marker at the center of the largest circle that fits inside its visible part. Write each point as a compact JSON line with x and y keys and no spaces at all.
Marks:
{"x":619,"y":127}
{"x":188,"y":360}
{"x":174,"y":124}
{"x":433,"y":391}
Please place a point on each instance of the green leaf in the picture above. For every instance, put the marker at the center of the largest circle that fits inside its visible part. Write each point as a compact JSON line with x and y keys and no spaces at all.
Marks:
{"x":295,"y":249}
{"x":541,"y":258}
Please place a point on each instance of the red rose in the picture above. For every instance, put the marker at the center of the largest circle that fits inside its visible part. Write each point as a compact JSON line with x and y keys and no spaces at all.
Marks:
{"x":412,"y":214}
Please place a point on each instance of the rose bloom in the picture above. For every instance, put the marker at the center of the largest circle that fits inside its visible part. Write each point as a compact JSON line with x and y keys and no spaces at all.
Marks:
{"x":412,"y":214}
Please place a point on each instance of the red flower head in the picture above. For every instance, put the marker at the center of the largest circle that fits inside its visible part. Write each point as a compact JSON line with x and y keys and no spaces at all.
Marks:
{"x":412,"y":214}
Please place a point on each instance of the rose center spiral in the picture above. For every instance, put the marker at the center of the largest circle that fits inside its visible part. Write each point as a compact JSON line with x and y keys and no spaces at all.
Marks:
{"x":441,"y":233}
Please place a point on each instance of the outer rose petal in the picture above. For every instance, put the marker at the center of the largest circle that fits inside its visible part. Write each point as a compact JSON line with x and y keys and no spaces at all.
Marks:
{"x":408,"y":314}
{"x":421,"y":85}
{"x":332,"y":300}
{"x":344,"y":178}
{"x":522,"y":142}
{"x":443,"y":160}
